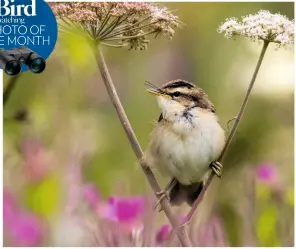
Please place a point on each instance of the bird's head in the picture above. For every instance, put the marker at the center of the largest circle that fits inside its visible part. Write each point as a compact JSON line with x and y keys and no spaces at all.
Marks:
{"x":178,"y":96}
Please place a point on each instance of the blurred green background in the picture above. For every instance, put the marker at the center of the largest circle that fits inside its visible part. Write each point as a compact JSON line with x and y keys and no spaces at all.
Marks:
{"x":70,"y":113}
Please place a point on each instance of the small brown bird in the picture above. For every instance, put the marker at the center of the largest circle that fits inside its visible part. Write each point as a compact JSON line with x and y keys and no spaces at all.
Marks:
{"x":186,"y":141}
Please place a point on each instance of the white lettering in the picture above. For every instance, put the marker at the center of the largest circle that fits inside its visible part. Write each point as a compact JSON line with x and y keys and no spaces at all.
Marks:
{"x":33,"y":9}
{"x":42,"y":29}
{"x":20,"y":42}
{"x":1,"y":40}
{"x":46,"y":41}
{"x":31,"y":30}
{"x":24,"y":28}
{"x":10,"y":41}
{"x":30,"y":40}
{"x":27,"y":40}
{"x":4,"y":7}
{"x":8,"y":8}
{"x":6,"y":32}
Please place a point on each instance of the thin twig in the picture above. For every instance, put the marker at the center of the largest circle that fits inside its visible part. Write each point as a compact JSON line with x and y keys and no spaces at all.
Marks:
{"x":233,"y":130}
{"x":9,"y":88}
{"x":180,"y":231}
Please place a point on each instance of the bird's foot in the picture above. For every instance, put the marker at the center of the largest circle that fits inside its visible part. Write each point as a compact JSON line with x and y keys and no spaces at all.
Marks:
{"x":217,"y":168}
{"x":165,"y":193}
{"x":160,"y":195}
{"x":143,"y":163}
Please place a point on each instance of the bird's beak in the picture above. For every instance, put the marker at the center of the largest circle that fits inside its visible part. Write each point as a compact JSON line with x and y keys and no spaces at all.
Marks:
{"x":157,"y":92}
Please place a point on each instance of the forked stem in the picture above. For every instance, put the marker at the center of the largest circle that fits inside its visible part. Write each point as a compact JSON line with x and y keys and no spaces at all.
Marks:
{"x":233,"y":130}
{"x":180,"y":231}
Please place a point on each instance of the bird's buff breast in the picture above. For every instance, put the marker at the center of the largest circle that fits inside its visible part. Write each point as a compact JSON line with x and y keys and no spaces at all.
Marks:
{"x":184,"y":149}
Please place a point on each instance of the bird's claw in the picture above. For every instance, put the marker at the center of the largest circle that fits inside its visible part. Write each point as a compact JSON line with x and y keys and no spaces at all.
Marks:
{"x":160,"y":195}
{"x":217,"y":168}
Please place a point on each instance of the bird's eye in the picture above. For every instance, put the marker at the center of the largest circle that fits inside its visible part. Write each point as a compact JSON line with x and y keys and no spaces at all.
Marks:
{"x":176,"y":94}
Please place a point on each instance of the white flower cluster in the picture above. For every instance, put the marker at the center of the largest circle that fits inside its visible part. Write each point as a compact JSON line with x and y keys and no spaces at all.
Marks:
{"x":118,"y":24}
{"x":261,"y":26}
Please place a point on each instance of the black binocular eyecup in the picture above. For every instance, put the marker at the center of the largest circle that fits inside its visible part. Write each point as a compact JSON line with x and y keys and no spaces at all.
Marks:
{"x":35,"y":63}
{"x":10,"y":65}
{"x":10,"y":60}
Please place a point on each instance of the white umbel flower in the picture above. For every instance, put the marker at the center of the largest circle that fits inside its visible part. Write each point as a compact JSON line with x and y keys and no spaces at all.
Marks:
{"x":117,"y":24}
{"x":264,"y":26}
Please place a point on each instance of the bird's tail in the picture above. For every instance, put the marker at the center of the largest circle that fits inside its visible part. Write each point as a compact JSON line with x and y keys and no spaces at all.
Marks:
{"x":185,"y":193}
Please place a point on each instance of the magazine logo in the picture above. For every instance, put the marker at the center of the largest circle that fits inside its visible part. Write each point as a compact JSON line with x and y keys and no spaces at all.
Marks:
{"x":9,"y":8}
{"x":26,"y":25}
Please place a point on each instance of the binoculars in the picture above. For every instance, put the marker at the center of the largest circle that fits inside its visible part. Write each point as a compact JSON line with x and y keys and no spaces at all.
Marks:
{"x":11,"y":60}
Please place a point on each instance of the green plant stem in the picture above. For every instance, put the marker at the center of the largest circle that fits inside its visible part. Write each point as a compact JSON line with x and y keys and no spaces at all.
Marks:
{"x":180,"y":231}
{"x":233,"y":130}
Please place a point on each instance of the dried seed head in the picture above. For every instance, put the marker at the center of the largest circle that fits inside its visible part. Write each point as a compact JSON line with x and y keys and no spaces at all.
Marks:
{"x":122,"y":24}
{"x":261,"y":26}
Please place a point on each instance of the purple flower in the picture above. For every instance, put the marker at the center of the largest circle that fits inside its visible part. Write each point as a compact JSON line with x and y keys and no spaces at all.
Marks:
{"x":163,"y":233}
{"x":26,"y":230}
{"x":267,"y":173}
{"x":9,"y":208}
{"x":126,"y":211}
{"x":21,"y":228}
